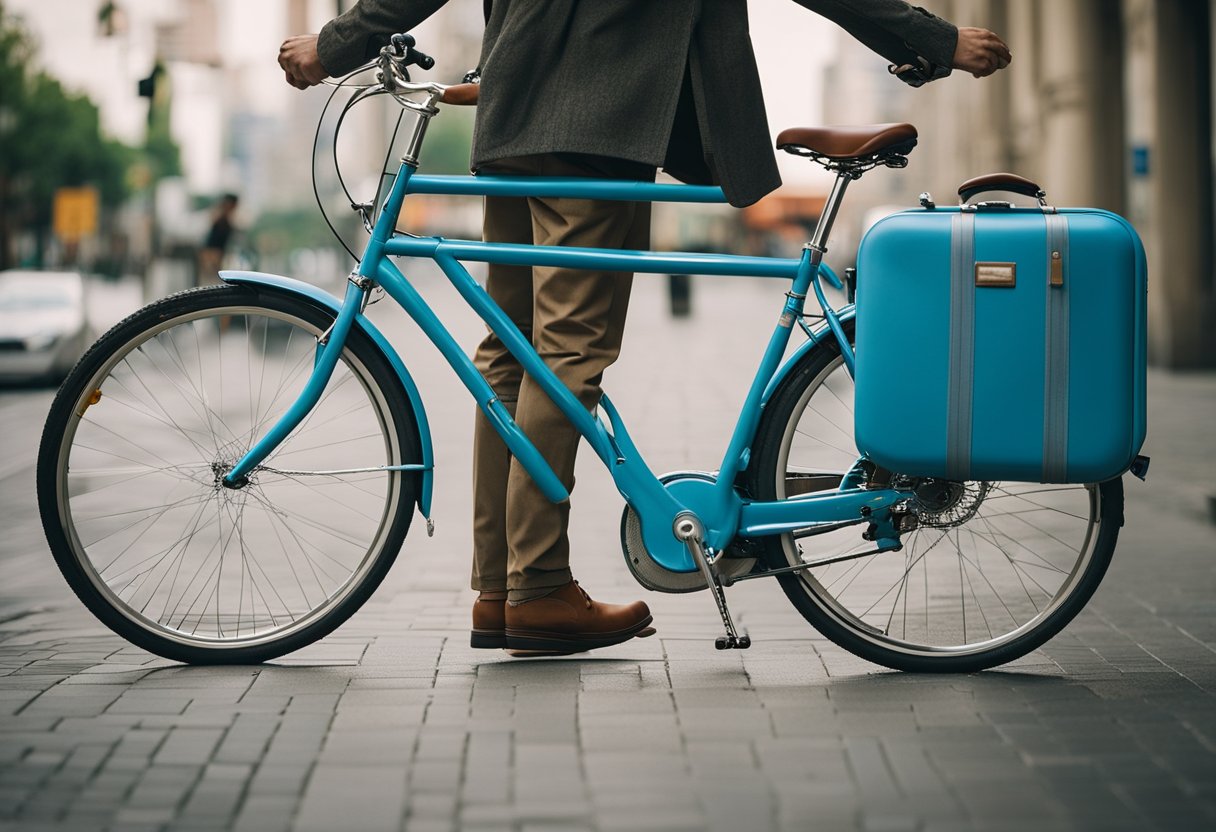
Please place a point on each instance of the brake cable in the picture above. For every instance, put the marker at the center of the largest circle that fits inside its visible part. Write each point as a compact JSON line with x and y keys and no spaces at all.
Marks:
{"x":406,"y":54}
{"x":316,"y":140}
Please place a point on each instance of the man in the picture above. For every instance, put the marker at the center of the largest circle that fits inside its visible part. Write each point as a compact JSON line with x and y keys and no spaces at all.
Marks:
{"x":611,"y":88}
{"x":211,"y":255}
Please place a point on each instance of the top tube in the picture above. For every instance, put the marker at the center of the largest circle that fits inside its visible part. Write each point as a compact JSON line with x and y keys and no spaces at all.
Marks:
{"x":574,"y":187}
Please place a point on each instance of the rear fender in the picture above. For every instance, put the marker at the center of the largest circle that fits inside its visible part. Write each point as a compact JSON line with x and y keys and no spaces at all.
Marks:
{"x":325,"y":299}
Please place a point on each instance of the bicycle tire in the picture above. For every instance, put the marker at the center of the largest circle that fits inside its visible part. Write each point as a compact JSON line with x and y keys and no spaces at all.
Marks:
{"x":212,"y":310}
{"x":847,"y":627}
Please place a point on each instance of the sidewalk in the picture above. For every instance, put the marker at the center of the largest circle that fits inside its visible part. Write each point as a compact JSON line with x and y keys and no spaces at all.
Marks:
{"x":395,"y":723}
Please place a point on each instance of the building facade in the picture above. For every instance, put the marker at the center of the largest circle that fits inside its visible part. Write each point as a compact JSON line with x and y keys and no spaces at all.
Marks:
{"x":1108,"y":103}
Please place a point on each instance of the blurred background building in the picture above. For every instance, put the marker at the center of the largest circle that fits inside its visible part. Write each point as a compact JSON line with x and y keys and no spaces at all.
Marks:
{"x":1108,"y":103}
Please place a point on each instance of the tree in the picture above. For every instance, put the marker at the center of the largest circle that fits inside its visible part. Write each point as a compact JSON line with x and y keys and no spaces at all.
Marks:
{"x":50,"y":138}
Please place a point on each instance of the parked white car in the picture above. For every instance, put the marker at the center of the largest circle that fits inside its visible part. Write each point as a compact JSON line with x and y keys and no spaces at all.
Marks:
{"x":43,"y":324}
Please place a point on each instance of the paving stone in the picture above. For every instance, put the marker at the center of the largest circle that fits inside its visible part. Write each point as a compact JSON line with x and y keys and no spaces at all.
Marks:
{"x":188,"y":746}
{"x":394,"y":722}
{"x":350,"y":797}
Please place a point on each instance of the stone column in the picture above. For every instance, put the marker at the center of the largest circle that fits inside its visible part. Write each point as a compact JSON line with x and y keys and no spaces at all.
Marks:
{"x":1025,"y":138}
{"x":1171,"y":128}
{"x":1080,"y":48}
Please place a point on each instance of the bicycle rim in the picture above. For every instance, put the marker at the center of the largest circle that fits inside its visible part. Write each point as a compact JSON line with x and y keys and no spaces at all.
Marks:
{"x":152,"y":430}
{"x":991,"y":564}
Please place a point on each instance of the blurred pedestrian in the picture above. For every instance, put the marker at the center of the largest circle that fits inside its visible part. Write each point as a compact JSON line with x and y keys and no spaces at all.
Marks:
{"x":219,"y":235}
{"x":610,"y":90}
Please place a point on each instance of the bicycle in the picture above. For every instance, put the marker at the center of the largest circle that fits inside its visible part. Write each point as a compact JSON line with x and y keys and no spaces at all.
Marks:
{"x":229,"y":473}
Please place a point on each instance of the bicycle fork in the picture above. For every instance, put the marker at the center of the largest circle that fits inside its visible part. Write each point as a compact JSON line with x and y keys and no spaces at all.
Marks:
{"x":329,"y":347}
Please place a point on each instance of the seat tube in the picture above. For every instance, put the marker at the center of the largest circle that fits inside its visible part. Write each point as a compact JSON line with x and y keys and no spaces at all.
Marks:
{"x":816,"y":249}
{"x":738,"y":452}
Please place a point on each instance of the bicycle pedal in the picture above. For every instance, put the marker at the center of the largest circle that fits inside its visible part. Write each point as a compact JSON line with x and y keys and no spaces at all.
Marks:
{"x":728,"y":642}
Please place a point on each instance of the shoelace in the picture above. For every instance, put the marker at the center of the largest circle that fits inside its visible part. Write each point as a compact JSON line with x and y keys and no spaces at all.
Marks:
{"x":586,"y":597}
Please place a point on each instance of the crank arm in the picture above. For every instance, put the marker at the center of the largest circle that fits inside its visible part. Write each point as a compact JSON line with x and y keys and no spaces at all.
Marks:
{"x":689,"y":529}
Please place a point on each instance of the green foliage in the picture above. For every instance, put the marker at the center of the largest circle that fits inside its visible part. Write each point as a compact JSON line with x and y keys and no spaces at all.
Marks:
{"x":57,"y":142}
{"x":52,"y":138}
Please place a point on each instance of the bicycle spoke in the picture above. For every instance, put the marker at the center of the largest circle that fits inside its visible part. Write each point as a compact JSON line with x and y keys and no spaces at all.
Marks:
{"x":988,"y":562}
{"x":827,"y":444}
{"x":208,"y":564}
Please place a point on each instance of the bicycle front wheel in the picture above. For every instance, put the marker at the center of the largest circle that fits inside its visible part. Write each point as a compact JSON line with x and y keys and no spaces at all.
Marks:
{"x":993,"y":572}
{"x":140,"y":435}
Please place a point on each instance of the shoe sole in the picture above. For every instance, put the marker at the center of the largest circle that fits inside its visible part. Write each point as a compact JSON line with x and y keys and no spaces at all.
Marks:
{"x":488,"y":639}
{"x":565,"y":643}
{"x":645,"y":632}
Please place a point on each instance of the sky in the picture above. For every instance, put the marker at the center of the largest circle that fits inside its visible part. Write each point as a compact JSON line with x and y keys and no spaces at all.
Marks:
{"x":792,"y":46}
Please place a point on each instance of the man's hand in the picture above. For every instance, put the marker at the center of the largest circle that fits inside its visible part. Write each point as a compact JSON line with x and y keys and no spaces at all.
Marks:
{"x":980,"y":52}
{"x":302,"y":64}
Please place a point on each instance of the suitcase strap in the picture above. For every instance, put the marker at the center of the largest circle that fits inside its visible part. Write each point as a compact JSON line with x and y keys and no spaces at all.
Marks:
{"x":961,"y":382}
{"x":1055,"y":392}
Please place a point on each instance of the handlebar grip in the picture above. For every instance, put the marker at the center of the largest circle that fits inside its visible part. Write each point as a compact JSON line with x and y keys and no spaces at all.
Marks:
{"x":423,"y":60}
{"x":464,"y":94}
{"x":403,"y":47}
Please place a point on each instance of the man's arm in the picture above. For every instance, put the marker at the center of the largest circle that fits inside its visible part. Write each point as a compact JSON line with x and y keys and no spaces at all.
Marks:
{"x":350,"y":39}
{"x":902,"y":33}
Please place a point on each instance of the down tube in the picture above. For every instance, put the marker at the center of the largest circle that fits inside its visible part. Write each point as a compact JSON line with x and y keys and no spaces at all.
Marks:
{"x":633,"y":478}
{"x":521,"y":447}
{"x":519,"y":346}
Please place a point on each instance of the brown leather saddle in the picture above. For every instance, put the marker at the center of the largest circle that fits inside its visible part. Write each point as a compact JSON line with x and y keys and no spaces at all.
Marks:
{"x":859,"y":147}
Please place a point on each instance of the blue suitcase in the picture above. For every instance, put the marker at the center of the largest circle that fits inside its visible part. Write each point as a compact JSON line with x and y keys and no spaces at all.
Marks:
{"x":1001,"y":343}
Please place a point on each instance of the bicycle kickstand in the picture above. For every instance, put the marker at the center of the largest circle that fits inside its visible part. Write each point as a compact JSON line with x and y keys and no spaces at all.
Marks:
{"x":688,"y":528}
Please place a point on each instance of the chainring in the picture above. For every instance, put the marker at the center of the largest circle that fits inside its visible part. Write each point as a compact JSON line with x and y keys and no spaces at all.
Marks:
{"x":649,"y":573}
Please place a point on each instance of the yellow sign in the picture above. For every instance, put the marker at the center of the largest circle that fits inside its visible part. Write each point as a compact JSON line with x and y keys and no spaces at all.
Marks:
{"x":75,"y":214}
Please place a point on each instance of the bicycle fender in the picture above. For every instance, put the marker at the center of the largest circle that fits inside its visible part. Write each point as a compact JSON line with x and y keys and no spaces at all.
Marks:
{"x":325,"y":299}
{"x":821,"y":333}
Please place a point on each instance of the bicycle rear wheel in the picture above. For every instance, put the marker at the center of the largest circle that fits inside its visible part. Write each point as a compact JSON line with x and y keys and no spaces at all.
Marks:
{"x":993,"y":572}
{"x":142,"y":431}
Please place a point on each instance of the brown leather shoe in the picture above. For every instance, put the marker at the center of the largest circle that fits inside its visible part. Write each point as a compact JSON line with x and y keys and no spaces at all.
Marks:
{"x":568,"y":621}
{"x":489,"y":623}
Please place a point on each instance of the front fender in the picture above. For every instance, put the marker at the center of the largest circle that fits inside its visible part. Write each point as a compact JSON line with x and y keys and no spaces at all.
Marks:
{"x":820,"y":333}
{"x":325,"y":299}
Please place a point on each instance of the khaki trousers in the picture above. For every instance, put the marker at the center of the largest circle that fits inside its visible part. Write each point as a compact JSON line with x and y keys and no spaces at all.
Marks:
{"x":575,"y":319}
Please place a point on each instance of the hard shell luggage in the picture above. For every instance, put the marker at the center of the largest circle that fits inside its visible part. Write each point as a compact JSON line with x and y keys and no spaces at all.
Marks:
{"x":1001,"y":343}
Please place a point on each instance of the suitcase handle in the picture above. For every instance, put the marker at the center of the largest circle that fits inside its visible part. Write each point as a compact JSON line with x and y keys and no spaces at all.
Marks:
{"x":1010,"y":182}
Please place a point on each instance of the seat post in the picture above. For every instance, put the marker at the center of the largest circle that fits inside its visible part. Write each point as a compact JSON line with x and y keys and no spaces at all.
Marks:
{"x":819,"y":240}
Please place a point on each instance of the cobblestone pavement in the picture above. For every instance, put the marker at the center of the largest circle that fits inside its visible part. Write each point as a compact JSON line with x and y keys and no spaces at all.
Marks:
{"x":395,"y":723}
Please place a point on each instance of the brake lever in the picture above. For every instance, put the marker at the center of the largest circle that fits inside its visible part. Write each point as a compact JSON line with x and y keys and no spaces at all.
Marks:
{"x":392,"y":74}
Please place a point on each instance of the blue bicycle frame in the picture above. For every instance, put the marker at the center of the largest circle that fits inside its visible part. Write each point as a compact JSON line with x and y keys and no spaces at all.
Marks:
{"x":722,"y":512}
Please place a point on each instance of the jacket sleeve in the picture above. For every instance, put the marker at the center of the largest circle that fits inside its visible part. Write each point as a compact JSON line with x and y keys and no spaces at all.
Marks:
{"x":356,"y":36}
{"x":898,"y":31}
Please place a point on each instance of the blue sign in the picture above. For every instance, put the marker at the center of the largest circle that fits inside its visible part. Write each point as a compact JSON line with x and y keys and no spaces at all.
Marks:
{"x":1140,"y":160}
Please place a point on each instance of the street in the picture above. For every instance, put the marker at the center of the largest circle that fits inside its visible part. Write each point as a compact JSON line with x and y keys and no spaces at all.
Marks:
{"x":393,"y":722}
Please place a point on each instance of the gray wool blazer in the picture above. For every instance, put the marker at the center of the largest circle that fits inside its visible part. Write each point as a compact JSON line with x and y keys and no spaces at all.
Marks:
{"x":669,"y":83}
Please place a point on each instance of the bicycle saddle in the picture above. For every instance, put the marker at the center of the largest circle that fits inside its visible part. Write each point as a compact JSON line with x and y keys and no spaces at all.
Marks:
{"x":848,"y":143}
